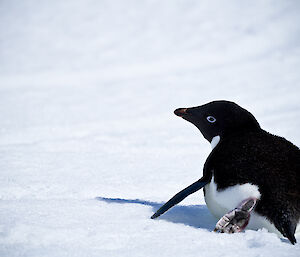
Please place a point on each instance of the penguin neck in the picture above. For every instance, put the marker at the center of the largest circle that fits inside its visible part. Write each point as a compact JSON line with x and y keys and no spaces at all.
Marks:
{"x":215,"y":140}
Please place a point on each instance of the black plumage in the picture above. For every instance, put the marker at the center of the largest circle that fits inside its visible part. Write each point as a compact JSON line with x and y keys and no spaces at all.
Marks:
{"x":248,"y":154}
{"x":270,"y":162}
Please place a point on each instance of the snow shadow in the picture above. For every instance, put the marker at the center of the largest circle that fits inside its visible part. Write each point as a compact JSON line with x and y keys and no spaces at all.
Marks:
{"x":197,"y":216}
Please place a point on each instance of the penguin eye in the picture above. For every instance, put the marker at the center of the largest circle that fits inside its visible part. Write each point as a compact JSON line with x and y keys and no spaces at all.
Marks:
{"x":211,"y":119}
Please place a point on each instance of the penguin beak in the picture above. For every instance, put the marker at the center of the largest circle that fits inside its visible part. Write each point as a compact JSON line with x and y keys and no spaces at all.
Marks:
{"x":181,"y":112}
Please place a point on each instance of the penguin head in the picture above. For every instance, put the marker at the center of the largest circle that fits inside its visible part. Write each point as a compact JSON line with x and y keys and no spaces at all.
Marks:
{"x":219,"y":118}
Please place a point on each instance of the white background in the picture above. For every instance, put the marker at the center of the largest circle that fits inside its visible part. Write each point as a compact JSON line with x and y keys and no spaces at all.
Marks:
{"x":87,"y":94}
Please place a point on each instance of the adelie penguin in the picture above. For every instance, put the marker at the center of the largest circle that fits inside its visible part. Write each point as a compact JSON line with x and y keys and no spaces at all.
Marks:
{"x":251,"y":178}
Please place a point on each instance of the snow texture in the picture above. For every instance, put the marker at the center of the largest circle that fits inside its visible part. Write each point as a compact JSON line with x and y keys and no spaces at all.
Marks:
{"x":89,"y":145}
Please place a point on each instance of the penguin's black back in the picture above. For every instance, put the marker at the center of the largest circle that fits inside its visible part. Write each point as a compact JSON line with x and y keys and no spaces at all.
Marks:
{"x":270,"y":162}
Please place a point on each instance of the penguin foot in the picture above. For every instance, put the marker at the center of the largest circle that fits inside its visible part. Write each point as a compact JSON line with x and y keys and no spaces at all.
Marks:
{"x":237,"y":219}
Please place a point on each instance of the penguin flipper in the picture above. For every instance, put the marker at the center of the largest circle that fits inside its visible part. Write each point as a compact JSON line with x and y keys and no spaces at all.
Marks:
{"x":180,"y":196}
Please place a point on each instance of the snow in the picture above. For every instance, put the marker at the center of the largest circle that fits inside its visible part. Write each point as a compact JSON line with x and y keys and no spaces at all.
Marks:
{"x":89,"y":144}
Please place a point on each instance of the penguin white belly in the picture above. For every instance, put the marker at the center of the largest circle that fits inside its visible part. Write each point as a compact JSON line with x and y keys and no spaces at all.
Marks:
{"x":221,"y":202}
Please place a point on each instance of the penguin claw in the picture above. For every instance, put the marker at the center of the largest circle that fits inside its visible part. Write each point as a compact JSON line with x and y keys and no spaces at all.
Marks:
{"x":237,"y":219}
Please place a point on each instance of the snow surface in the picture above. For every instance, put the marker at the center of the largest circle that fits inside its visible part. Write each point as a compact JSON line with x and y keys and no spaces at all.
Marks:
{"x":89,"y":145}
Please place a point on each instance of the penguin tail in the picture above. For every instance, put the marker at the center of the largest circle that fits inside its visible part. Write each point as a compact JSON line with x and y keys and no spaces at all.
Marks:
{"x":290,"y":236}
{"x":288,"y":230}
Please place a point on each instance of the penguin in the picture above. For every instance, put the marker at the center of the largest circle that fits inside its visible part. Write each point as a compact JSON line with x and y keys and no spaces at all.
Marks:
{"x":251,"y":178}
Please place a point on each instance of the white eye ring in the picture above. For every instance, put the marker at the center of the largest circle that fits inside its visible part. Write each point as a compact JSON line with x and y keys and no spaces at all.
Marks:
{"x":211,"y":119}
